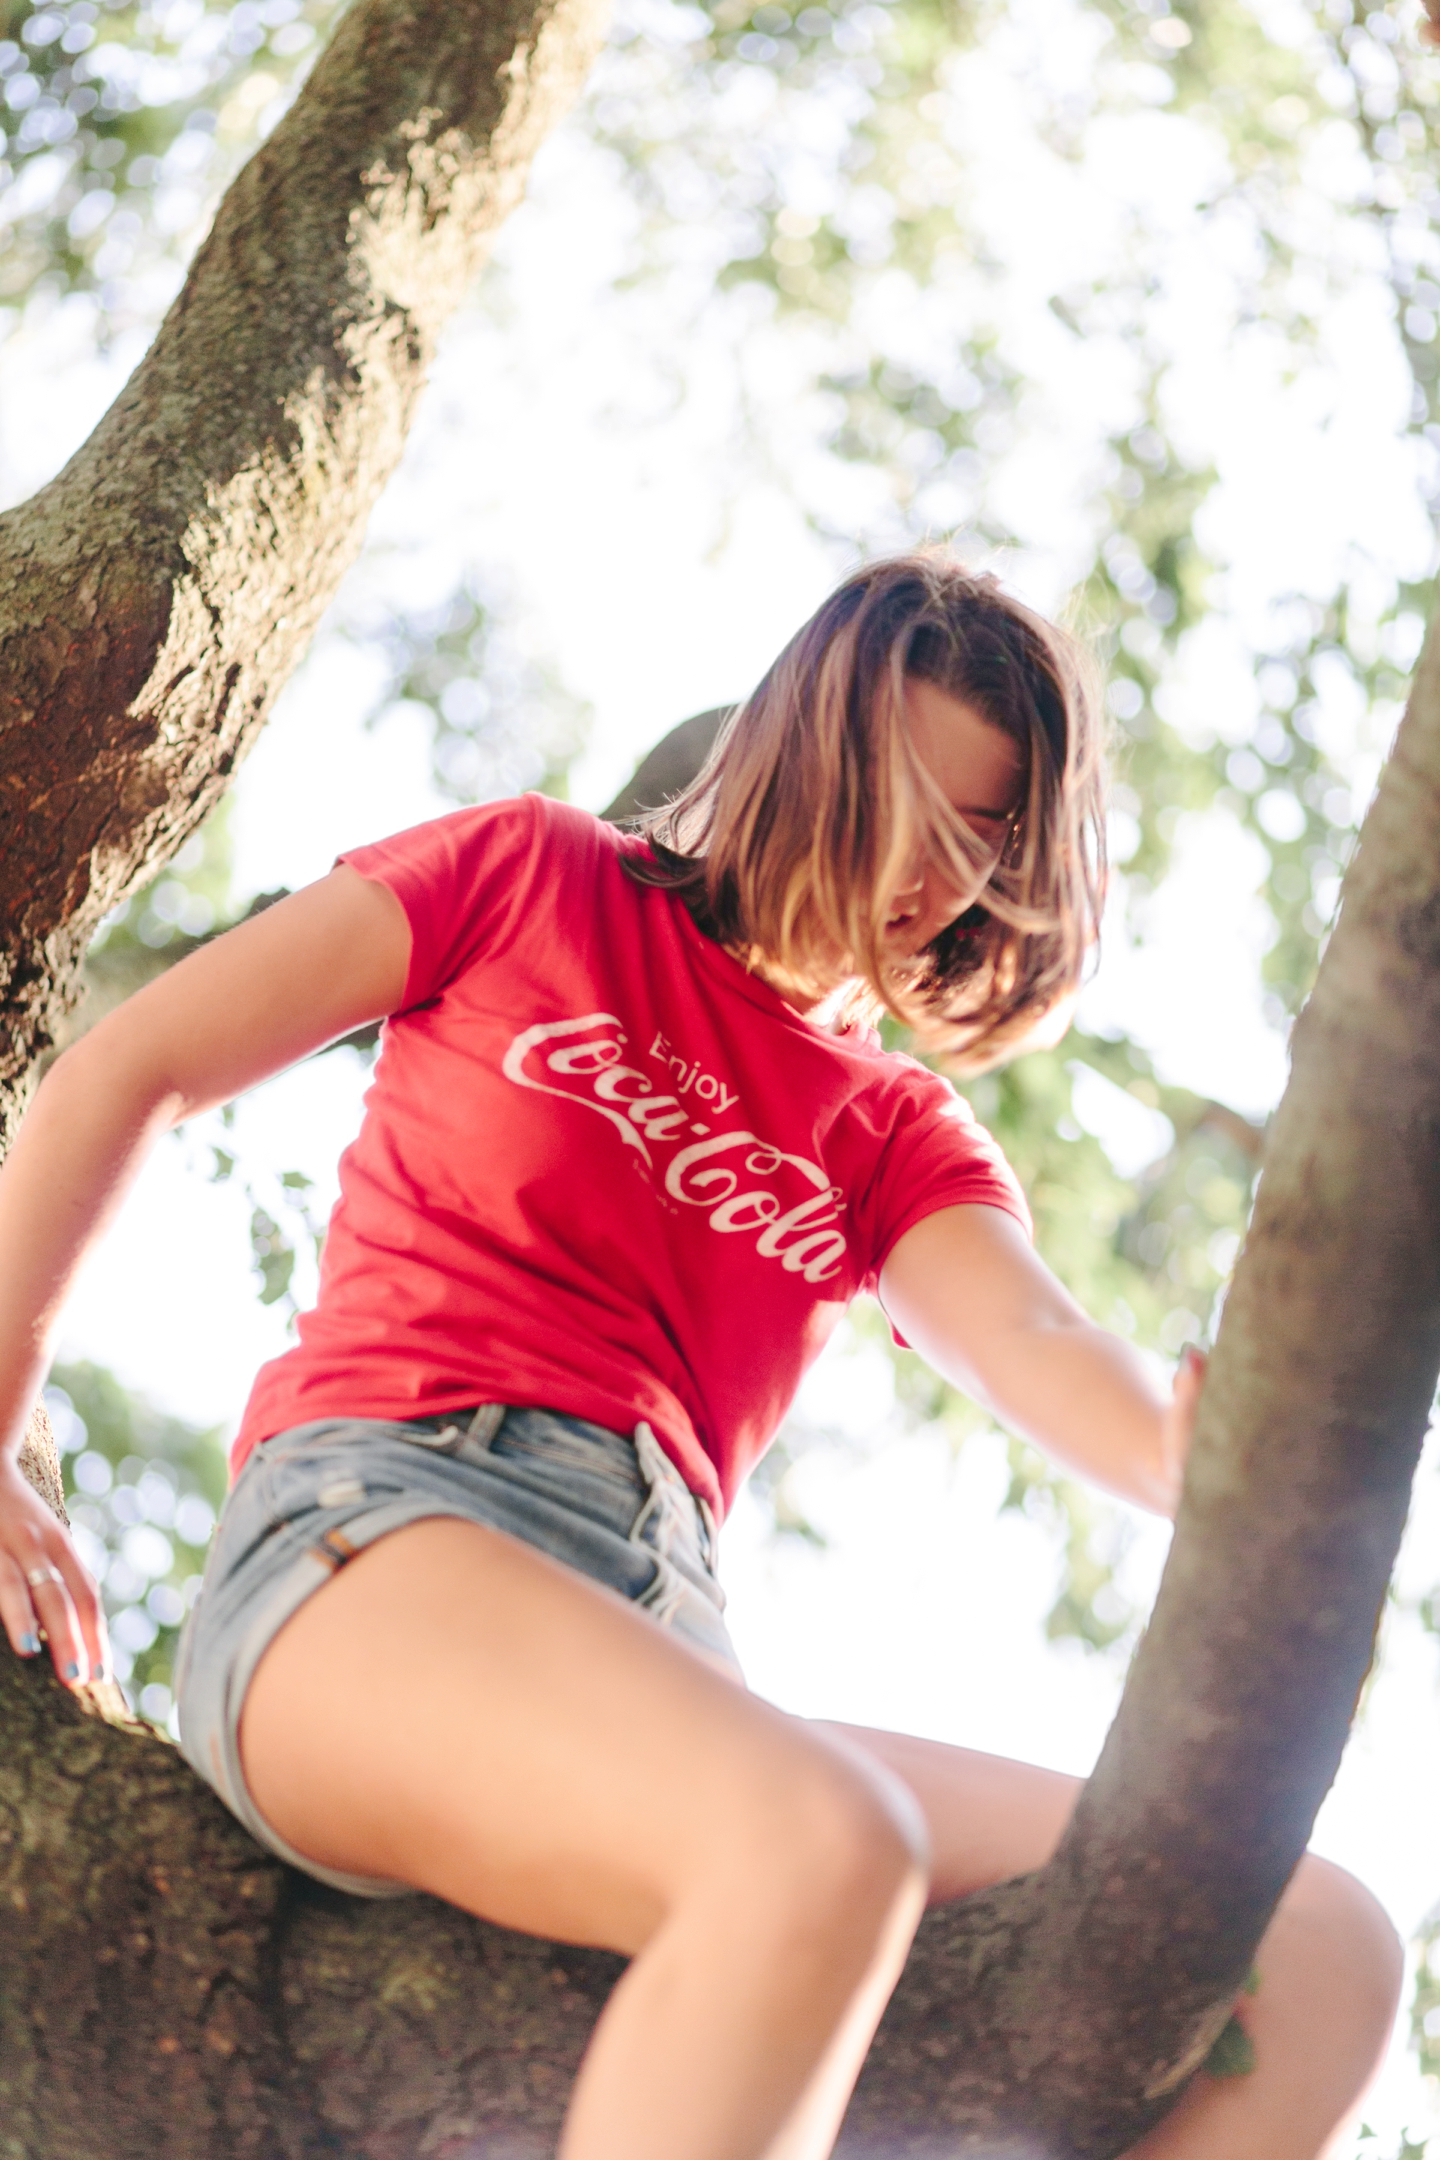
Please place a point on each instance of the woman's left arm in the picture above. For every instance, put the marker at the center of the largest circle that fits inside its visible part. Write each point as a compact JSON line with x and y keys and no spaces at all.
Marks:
{"x":966,"y":1289}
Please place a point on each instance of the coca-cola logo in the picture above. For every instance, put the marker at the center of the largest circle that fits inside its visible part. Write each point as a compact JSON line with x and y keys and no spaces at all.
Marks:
{"x":744,"y":1184}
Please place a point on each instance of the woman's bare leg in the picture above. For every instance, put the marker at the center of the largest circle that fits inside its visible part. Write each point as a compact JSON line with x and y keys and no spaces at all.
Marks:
{"x":1330,"y":1966}
{"x":458,"y":1712}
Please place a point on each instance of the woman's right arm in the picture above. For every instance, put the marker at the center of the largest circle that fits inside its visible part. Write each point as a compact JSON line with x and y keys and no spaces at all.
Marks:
{"x":310,"y":969}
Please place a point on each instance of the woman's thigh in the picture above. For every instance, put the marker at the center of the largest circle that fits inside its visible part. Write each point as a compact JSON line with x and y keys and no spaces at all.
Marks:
{"x":457,"y":1711}
{"x":988,"y":1818}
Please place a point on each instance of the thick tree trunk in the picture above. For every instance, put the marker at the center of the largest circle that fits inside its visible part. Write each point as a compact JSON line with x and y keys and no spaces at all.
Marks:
{"x":165,"y":1989}
{"x":155,"y":597}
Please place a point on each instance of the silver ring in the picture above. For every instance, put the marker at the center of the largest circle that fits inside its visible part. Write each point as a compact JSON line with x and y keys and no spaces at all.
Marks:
{"x":37,"y":1575}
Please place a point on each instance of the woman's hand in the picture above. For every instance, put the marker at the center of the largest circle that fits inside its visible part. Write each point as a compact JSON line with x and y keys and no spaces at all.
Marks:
{"x":966,"y":1289}
{"x":1177,"y":1423}
{"x":44,"y":1589}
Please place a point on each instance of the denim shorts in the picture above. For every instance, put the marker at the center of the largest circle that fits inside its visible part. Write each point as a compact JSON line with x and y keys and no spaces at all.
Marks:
{"x":309,"y":1499}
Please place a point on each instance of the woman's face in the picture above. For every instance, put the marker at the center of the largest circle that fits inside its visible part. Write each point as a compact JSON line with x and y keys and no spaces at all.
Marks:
{"x":981,"y":772}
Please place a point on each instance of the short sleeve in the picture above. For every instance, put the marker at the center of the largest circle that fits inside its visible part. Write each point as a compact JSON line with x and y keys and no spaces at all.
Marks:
{"x":937,"y":1155}
{"x":460,"y":880}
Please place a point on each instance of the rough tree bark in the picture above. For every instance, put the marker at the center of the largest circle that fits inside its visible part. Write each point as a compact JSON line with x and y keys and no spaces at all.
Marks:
{"x":165,"y":1989}
{"x":156,"y":595}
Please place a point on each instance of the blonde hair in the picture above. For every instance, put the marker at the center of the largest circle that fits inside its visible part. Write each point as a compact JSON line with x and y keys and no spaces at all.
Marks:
{"x":791,"y":843}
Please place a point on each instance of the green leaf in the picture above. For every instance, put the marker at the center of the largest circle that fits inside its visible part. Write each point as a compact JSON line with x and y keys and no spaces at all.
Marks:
{"x":1233,"y":2054}
{"x":273,"y":1254}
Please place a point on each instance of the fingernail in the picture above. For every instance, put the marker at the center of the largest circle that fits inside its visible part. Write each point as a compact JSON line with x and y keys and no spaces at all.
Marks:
{"x":100,"y":1673}
{"x":30,"y":1644}
{"x":72,"y":1670}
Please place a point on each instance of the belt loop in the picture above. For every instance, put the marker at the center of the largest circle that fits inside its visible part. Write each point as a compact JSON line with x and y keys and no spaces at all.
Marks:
{"x":486,"y":1422}
{"x":654,"y":1462}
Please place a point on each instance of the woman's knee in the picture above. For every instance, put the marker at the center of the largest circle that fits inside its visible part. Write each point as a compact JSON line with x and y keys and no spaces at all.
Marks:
{"x":840,"y":1834}
{"x":1347,"y":1942}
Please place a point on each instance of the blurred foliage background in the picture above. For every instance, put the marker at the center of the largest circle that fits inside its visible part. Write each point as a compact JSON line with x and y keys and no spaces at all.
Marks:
{"x":810,"y":171}
{"x":814,"y":156}
{"x":143,"y":1491}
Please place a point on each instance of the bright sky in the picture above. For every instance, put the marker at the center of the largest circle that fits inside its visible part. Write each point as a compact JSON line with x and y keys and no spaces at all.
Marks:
{"x":659,"y":570}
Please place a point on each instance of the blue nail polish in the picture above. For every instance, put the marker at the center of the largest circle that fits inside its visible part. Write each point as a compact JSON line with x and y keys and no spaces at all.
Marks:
{"x":100,"y":1673}
{"x":72,"y":1670}
{"x":30,"y":1644}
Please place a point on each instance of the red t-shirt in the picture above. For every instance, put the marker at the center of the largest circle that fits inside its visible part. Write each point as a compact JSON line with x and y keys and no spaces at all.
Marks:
{"x":602,"y":1169}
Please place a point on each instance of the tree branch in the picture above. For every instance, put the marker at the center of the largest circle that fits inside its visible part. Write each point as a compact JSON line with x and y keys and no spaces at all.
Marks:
{"x":670,"y":766}
{"x":157,"y":594}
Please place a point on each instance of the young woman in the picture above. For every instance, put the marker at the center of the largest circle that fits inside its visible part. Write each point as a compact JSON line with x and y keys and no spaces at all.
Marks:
{"x":630,"y":1149}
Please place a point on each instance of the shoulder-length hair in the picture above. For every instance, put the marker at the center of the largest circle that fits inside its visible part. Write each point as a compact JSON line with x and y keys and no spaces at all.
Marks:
{"x":813,"y":810}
